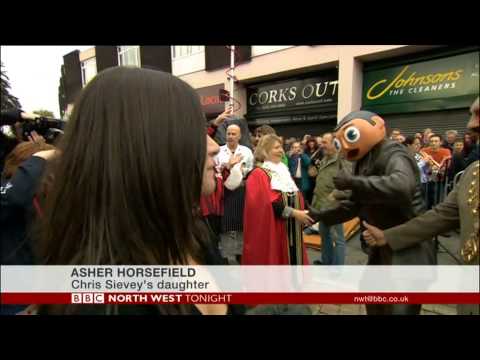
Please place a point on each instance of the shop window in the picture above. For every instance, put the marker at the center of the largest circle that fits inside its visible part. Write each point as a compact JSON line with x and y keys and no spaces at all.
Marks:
{"x":129,"y":56}
{"x":187,"y":59}
{"x":182,"y":51}
{"x":89,"y":70}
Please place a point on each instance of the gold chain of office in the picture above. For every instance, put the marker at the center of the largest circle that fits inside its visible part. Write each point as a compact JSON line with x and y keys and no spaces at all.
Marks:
{"x":470,"y":248}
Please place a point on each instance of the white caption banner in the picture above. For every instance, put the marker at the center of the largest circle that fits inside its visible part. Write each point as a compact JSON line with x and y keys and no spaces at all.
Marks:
{"x":204,"y":279}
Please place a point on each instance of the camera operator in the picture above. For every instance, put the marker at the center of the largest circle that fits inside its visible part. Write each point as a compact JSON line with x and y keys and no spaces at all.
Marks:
{"x":12,"y":118}
{"x":20,"y":192}
{"x":23,"y":125}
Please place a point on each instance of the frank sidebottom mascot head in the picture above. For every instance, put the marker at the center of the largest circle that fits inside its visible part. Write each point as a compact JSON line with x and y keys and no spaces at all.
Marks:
{"x":358,"y":133}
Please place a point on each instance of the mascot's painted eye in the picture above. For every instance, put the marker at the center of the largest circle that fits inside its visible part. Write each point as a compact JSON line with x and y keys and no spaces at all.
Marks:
{"x":337,"y":144}
{"x":351,"y":134}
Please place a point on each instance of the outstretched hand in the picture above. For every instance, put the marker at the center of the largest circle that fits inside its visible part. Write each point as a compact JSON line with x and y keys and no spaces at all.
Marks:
{"x":303,"y":217}
{"x":223,"y":116}
{"x":373,"y":235}
{"x":28,"y":116}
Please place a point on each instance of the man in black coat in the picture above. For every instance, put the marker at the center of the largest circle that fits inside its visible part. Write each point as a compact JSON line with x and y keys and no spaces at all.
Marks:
{"x":385,"y":191}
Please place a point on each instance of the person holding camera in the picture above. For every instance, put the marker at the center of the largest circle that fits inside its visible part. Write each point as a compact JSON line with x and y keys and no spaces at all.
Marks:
{"x":12,"y":118}
{"x":298,"y":163}
{"x":20,"y":197}
{"x":26,"y":126}
{"x":314,"y":151}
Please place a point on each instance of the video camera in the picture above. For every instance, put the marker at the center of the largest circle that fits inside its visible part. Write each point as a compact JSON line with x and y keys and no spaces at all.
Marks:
{"x":49,"y":128}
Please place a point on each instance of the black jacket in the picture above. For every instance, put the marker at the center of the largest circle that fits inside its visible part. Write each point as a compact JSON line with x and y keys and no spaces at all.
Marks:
{"x":458,"y":164}
{"x":9,"y":117}
{"x":386,"y":192}
{"x":448,"y":146}
{"x":17,"y":212}
{"x":473,"y":156}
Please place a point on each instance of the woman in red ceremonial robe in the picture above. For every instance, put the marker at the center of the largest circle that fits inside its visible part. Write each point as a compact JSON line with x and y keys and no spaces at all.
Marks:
{"x":273,"y":215}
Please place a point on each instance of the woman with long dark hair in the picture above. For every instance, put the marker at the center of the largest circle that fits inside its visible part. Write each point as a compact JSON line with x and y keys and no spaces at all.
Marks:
{"x":135,"y":160}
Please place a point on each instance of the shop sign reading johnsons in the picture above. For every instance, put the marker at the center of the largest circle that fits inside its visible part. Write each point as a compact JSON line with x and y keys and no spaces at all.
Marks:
{"x":428,"y":80}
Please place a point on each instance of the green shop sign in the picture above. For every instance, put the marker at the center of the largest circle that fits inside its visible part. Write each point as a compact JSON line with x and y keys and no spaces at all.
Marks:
{"x":447,"y":83}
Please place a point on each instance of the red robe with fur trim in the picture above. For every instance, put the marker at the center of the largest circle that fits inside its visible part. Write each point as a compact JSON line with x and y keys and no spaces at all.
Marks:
{"x":264,"y":235}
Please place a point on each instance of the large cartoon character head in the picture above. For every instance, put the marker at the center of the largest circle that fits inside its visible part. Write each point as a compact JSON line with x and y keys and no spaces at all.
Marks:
{"x":358,"y":133}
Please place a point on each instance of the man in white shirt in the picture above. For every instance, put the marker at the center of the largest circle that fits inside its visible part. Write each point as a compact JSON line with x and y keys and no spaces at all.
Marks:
{"x":231,"y":155}
{"x":233,"y":149}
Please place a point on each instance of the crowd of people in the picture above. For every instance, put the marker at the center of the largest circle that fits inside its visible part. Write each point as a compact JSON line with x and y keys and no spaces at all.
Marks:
{"x":137,"y":179}
{"x":438,"y":156}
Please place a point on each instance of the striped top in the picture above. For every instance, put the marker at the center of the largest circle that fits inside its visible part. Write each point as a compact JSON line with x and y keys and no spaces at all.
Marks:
{"x":233,"y":205}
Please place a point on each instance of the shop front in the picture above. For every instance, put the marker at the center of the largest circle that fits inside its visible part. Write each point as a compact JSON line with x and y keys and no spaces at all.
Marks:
{"x":295,"y":106}
{"x":415,"y":95}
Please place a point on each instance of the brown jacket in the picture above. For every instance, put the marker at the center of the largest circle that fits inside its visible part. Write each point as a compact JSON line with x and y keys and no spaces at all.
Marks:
{"x":460,"y":209}
{"x":454,"y":212}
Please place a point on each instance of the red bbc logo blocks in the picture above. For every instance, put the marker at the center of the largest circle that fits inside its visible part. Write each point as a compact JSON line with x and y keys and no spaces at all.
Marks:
{"x":88,"y":298}
{"x":98,"y":298}
{"x":76,"y":298}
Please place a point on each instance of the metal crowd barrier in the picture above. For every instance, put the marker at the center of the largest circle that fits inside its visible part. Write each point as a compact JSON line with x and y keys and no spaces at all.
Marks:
{"x":440,"y":190}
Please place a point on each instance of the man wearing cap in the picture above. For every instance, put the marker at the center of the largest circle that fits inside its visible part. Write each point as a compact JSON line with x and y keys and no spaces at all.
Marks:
{"x":459,"y":209}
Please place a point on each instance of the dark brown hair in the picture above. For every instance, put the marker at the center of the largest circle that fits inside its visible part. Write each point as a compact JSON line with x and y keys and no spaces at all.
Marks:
{"x":315,"y":144}
{"x":129,"y":177}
